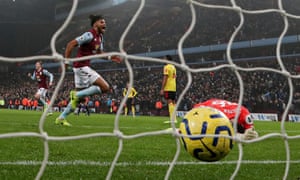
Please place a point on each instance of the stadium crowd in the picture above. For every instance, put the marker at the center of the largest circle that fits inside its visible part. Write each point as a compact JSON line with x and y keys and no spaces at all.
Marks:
{"x":264,"y":91}
{"x":156,"y":33}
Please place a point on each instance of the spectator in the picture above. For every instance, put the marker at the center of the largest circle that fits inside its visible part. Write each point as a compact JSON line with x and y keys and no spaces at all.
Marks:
{"x":97,"y":106}
{"x":158,"y":107}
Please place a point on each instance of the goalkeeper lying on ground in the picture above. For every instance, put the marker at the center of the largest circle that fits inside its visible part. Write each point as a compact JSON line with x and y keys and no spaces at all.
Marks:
{"x":245,"y":126}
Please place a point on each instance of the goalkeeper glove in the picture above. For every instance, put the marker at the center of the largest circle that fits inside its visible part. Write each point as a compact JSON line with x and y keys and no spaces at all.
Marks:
{"x":248,"y":134}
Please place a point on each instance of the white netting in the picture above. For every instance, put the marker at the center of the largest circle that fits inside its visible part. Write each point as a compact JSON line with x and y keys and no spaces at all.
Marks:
{"x":183,"y":66}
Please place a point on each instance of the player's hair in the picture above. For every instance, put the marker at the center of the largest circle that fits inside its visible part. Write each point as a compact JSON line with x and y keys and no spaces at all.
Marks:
{"x":39,"y":61}
{"x":95,"y":18}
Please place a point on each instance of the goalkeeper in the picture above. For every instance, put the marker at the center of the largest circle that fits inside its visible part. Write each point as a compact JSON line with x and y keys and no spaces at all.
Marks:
{"x":245,"y":126}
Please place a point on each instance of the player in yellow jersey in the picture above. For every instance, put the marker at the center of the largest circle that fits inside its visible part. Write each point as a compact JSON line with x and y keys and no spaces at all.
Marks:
{"x":131,"y":100}
{"x":168,"y":88}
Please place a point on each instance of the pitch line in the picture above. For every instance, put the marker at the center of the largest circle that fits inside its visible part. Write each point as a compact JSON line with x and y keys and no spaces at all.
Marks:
{"x":150,"y":128}
{"x":147,"y":163}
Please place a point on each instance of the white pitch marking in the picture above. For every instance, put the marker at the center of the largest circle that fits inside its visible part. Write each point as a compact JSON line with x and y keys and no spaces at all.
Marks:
{"x":147,"y":163}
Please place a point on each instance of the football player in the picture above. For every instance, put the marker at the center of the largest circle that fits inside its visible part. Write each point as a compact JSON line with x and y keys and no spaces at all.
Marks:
{"x":41,"y":75}
{"x":245,"y":126}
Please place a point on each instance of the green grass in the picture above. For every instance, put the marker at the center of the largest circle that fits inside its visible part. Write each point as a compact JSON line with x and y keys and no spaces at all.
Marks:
{"x":141,"y":158}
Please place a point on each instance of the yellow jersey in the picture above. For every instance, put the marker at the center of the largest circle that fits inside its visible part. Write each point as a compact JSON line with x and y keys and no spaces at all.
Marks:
{"x":170,"y":71}
{"x":132,"y":94}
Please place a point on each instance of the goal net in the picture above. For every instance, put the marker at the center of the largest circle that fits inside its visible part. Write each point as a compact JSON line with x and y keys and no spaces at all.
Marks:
{"x":223,"y":63}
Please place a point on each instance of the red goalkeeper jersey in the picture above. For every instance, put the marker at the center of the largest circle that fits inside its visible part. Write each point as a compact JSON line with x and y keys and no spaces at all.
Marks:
{"x":229,"y":109}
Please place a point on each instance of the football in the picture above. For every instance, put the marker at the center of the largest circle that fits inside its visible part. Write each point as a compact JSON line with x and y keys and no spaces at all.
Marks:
{"x":203,"y":131}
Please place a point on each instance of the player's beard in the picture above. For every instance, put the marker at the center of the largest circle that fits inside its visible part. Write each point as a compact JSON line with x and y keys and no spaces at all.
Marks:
{"x":101,"y":30}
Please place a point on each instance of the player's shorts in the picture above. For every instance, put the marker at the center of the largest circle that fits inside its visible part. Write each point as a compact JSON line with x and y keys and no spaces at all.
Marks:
{"x":130,"y":102}
{"x":42,"y":92}
{"x":84,"y":77}
{"x":170,"y":95}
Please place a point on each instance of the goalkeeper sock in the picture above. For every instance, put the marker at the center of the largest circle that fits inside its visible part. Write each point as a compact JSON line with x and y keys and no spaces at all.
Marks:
{"x":66,"y":112}
{"x":133,"y":111}
{"x":88,"y":91}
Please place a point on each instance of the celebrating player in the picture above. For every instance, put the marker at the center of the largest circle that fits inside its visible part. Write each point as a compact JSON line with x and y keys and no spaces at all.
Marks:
{"x":168,"y":88}
{"x":245,"y":127}
{"x":87,"y":81}
{"x":130,"y":103}
{"x":40,"y":75}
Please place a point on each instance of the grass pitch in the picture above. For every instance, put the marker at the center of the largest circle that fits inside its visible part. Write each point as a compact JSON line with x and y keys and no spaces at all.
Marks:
{"x":145,"y":157}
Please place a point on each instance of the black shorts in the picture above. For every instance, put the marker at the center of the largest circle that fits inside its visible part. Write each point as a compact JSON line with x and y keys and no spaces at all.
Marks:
{"x":130,"y":102}
{"x":170,"y":95}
